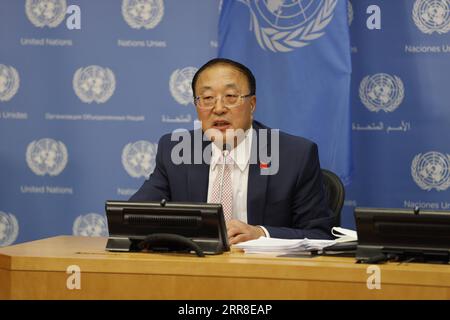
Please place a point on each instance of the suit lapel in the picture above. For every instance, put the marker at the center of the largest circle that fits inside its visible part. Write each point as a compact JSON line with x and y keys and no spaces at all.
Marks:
{"x":198,"y":179}
{"x":257,"y":184}
{"x":197,"y":184}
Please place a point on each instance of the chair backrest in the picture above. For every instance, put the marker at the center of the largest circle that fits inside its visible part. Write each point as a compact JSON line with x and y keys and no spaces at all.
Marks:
{"x":335,"y":193}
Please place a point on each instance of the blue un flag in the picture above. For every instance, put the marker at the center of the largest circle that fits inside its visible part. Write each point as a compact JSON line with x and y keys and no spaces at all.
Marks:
{"x":299,"y":51}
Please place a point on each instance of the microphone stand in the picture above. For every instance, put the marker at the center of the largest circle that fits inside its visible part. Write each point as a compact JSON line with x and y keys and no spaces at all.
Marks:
{"x":225,"y":153}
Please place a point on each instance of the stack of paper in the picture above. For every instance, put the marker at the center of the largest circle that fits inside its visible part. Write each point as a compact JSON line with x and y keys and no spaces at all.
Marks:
{"x":283,"y":246}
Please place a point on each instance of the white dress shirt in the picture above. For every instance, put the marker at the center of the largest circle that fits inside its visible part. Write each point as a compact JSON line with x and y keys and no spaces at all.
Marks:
{"x":239,"y":176}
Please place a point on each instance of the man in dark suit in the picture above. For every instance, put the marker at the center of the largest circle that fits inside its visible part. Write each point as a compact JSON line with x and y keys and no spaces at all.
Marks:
{"x":282,"y":198}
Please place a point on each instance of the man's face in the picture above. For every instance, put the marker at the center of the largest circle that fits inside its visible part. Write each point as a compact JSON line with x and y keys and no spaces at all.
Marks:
{"x":218,"y":81}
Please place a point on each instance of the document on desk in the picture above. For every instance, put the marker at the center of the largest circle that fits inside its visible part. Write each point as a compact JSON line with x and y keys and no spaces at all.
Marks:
{"x":344,"y":235}
{"x":283,"y":246}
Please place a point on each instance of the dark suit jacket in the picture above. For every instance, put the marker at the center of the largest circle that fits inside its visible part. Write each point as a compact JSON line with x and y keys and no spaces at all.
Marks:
{"x":290,"y":204}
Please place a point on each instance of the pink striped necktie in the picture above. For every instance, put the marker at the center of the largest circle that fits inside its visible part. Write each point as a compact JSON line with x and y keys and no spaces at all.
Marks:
{"x":224,"y":196}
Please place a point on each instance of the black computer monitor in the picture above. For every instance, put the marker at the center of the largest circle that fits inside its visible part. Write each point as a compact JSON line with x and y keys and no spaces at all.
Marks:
{"x":419,"y":235}
{"x":129,"y":223}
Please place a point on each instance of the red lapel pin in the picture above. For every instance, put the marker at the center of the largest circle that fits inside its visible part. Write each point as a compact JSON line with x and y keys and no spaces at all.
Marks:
{"x":263,"y":165}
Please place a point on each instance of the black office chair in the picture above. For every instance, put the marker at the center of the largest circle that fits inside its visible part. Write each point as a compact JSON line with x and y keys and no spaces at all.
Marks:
{"x":335,"y":193}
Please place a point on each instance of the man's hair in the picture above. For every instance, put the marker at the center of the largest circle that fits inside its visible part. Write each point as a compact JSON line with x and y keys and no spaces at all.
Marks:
{"x":239,"y":66}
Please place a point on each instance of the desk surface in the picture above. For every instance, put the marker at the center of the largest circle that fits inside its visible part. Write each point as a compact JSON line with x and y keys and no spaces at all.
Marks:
{"x":37,"y":270}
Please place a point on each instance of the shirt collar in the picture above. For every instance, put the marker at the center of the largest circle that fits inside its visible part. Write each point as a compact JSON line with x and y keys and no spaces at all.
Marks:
{"x":240,"y":154}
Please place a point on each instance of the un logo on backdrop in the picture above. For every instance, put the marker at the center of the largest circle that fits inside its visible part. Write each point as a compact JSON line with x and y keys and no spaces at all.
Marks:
{"x":90,"y":225}
{"x":142,"y":13}
{"x":9,"y":82}
{"x":285,"y":25}
{"x":47,"y":156}
{"x":138,"y":158}
{"x":381,"y":91}
{"x":432,"y":16}
{"x":94,"y":83}
{"x":9,"y":229}
{"x":431,"y":170}
{"x":180,"y":85}
{"x":48,"y":13}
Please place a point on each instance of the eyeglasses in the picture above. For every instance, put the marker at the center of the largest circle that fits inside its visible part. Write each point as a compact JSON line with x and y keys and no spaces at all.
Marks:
{"x":229,"y":101}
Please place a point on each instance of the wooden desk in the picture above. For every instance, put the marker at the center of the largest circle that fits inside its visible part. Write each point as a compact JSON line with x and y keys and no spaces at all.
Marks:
{"x":37,"y":270}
